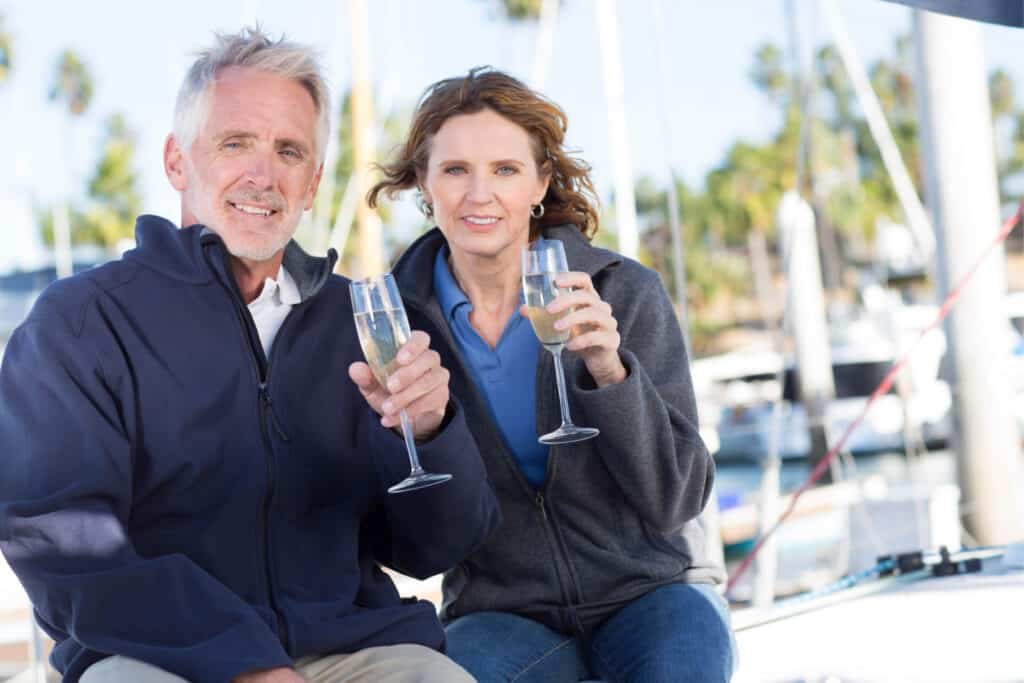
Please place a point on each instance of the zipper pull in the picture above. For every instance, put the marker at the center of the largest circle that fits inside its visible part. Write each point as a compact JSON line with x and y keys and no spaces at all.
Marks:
{"x":268,"y":405}
{"x":540,"y":504}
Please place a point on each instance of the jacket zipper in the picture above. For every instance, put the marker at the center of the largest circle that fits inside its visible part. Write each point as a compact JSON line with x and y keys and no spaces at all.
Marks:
{"x":267,"y":417}
{"x":268,"y":501}
{"x":574,"y":594}
{"x":549,"y":533}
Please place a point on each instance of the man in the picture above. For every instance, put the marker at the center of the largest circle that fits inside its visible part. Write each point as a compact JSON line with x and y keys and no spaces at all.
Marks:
{"x":190,"y":487}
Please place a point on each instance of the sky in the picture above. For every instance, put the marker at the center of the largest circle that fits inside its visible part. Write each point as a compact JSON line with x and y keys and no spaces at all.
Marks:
{"x":138,"y":53}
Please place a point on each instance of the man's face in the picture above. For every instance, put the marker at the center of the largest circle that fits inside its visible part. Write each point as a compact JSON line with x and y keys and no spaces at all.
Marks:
{"x":252,"y":169}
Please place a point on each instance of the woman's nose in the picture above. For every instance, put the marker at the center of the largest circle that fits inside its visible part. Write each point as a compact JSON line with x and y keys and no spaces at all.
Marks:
{"x":480,"y":188}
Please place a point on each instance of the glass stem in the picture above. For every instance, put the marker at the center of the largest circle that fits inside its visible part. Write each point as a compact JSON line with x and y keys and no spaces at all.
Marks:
{"x":410,"y":443}
{"x":563,"y":398}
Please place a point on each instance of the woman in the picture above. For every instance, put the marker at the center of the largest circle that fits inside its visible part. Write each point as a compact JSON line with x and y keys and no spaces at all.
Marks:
{"x":598,"y":568}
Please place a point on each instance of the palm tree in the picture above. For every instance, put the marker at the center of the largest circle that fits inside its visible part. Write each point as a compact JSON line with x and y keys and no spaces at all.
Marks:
{"x":6,"y":50}
{"x":545,"y":13}
{"x":521,"y":10}
{"x":72,"y":86}
{"x":72,"y":83}
{"x":769,"y":73}
{"x":113,"y":188}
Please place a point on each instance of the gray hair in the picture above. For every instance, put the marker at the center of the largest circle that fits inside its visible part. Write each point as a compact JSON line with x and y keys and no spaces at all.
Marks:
{"x":253,"y":49}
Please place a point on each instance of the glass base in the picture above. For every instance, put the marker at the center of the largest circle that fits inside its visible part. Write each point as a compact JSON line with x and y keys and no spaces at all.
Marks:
{"x":568,"y":434}
{"x":415,"y":482}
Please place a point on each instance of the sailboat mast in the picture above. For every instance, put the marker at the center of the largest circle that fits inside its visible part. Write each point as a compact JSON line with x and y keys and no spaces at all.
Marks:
{"x":962,"y":191}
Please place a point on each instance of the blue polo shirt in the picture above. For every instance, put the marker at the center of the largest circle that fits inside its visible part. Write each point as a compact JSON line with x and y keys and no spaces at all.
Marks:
{"x":506,"y":375}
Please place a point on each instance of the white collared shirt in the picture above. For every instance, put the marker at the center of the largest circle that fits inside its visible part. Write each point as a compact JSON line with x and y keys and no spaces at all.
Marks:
{"x":272,"y":306}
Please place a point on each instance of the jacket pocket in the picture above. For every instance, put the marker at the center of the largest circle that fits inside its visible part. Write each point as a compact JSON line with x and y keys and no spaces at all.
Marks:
{"x":653,"y":554}
{"x":658,"y":540}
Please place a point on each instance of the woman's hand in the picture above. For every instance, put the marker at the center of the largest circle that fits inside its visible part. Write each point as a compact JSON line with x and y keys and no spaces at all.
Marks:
{"x":420,"y":385}
{"x":595,"y":335}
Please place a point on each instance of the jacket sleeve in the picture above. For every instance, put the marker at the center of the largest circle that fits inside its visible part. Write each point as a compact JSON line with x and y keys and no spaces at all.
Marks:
{"x":649,"y":438}
{"x":65,"y":498}
{"x":426,"y":532}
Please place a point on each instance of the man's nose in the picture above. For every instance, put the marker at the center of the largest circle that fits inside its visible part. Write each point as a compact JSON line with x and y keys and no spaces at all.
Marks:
{"x":260,"y":170}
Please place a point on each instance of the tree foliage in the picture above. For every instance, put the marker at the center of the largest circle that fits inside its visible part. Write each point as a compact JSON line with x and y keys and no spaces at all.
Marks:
{"x":6,"y":51}
{"x":850,"y":186}
{"x":72,"y":83}
{"x":520,"y":10}
{"x":112,"y":203}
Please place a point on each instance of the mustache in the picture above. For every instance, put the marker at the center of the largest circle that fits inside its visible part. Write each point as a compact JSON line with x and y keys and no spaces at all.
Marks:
{"x":268,"y":199}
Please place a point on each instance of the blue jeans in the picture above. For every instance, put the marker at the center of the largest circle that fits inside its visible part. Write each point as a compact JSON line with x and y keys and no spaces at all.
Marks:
{"x":676,"y":633}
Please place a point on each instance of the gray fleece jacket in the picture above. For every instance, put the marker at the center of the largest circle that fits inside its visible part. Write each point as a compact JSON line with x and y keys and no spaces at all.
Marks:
{"x":616,"y":517}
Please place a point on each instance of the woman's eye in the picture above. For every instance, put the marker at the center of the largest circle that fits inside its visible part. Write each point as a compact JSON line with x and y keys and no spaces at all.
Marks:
{"x":455,"y":170}
{"x":507,"y":170}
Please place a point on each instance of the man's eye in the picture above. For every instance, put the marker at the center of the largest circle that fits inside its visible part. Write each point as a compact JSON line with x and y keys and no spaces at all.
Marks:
{"x":291,"y":153}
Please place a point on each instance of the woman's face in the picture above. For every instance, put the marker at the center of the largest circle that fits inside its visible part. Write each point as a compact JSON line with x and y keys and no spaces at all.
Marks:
{"x":482,"y":179}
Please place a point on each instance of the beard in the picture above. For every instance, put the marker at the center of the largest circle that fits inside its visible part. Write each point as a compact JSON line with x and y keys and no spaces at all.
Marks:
{"x":262,"y":249}
{"x":254,"y":245}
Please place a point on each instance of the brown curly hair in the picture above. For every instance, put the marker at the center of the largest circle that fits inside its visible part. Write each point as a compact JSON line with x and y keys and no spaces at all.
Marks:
{"x":570,"y":197}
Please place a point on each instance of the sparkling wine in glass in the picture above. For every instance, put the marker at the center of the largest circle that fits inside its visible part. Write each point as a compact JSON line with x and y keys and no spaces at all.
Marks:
{"x":383,"y":330}
{"x":543,"y":261}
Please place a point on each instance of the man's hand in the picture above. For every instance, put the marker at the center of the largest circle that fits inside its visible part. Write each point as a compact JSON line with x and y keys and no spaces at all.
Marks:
{"x":420,"y":385}
{"x":280,"y":675}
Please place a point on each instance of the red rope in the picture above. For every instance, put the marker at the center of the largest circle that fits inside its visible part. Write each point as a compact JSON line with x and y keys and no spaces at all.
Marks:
{"x":880,"y":390}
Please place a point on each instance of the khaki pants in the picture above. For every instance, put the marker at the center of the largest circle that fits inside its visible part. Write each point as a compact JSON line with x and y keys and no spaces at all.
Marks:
{"x":389,"y":664}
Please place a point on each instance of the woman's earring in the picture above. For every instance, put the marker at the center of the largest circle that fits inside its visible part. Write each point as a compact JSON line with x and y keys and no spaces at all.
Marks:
{"x":424,"y":206}
{"x":537,"y":210}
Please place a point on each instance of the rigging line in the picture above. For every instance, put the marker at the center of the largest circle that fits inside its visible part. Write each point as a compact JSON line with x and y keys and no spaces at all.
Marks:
{"x":882,"y":388}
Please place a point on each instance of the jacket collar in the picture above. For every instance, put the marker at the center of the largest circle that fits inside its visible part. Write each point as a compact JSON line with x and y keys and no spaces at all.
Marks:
{"x":179,"y":254}
{"x":414,"y":271}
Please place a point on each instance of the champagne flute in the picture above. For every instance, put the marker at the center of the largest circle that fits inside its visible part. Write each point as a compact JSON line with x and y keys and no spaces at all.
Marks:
{"x":543,"y":261}
{"x":383,"y":330}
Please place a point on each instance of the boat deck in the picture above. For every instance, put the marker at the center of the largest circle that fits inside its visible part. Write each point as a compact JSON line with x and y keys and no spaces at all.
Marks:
{"x":963,"y":628}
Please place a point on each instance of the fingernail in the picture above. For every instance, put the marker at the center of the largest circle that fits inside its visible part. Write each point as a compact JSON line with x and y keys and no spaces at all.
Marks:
{"x":387,"y":406}
{"x":403,"y":357}
{"x":393,"y":385}
{"x":559,"y":324}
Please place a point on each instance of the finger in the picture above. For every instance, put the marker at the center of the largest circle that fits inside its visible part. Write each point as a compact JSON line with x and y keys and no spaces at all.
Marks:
{"x":364,"y":380}
{"x":429,"y":397}
{"x":595,"y":339}
{"x":579,"y":297}
{"x":362,"y":376}
{"x":430,"y":402}
{"x":419,"y":341}
{"x":430,"y":407}
{"x":417,"y":367}
{"x":433,"y":381}
{"x":575,"y":279}
{"x":592,"y":316}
